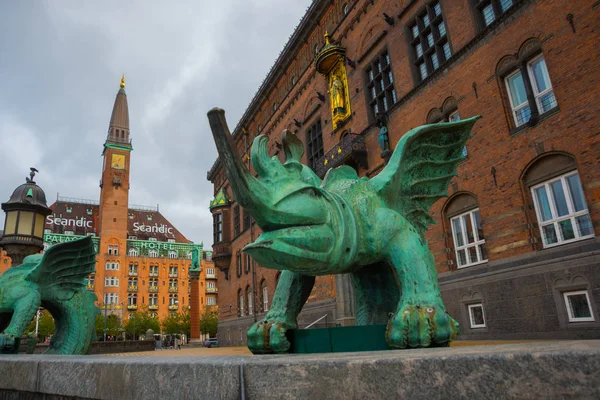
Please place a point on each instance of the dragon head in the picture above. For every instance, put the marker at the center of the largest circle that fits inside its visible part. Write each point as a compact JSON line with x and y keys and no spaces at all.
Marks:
{"x":285,"y":200}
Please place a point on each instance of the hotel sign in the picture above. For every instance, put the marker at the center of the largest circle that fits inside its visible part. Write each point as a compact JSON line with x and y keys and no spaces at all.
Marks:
{"x":137,"y":227}
{"x":59,"y":220}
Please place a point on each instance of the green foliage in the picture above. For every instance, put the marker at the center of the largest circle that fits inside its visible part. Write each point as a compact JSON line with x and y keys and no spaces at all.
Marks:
{"x":113,"y":325}
{"x":46,"y":326}
{"x":177,"y":323}
{"x":209,"y":320}
{"x":139,"y":322}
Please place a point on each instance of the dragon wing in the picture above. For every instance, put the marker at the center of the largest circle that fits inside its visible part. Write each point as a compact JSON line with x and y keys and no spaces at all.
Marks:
{"x":64,"y":267}
{"x":420,"y":170}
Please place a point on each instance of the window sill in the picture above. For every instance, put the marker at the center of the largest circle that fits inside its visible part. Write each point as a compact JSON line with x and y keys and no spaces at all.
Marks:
{"x":516,"y":131}
{"x":554,"y":245}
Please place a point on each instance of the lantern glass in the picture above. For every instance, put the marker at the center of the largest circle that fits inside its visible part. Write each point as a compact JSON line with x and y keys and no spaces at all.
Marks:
{"x":10,"y":223}
{"x":25,"y":223}
{"x":39,"y":225}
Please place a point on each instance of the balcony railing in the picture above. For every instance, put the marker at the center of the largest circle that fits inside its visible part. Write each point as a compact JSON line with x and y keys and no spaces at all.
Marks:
{"x":132,"y":288}
{"x":211,"y":290}
{"x":90,"y":287}
{"x":351,"y":148}
{"x":173,"y":289}
{"x":211,"y":276}
{"x":153,"y":273}
{"x":132,"y":307}
{"x":133,"y":273}
{"x":222,"y":254}
{"x":172,"y":274}
{"x":153,"y":289}
{"x":153,"y":307}
{"x":173,"y":307}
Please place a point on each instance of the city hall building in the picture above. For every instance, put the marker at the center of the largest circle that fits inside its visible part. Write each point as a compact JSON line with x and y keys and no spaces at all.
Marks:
{"x":143,"y":260}
{"x":515,"y":241}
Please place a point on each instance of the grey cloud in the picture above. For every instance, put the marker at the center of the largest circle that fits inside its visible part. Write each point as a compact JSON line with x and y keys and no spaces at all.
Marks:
{"x":60,"y":67}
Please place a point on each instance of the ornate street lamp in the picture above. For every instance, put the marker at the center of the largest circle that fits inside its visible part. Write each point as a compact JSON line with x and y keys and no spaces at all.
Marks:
{"x":26,"y":212}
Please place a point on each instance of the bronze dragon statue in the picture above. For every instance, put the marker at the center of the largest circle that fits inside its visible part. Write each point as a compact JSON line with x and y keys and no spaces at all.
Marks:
{"x":371,"y":228}
{"x":54,"y":280}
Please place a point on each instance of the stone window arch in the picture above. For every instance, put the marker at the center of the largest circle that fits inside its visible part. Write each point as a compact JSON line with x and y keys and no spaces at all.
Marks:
{"x":557,"y":205}
{"x":464,"y":227}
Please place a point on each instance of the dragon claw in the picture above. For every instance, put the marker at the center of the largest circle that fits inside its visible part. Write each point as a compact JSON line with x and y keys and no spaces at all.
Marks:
{"x":421,"y":326}
{"x":268,"y":337}
{"x":7,"y":342}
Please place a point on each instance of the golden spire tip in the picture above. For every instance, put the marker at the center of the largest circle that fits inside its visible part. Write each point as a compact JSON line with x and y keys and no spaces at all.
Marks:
{"x":122,"y":81}
{"x":326,"y":37}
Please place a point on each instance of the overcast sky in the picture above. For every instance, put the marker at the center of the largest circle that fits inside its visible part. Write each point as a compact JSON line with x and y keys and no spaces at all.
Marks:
{"x":60,"y":66}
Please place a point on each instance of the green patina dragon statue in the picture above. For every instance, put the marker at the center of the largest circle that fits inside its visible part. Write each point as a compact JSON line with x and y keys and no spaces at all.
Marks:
{"x":371,"y":228}
{"x":54,"y":280}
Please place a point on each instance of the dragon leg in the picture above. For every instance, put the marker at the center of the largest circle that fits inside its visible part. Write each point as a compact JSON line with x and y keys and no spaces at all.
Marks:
{"x":268,"y":336}
{"x":421,"y":319}
{"x":376,"y":293}
{"x":75,"y":321}
{"x":24,"y":310}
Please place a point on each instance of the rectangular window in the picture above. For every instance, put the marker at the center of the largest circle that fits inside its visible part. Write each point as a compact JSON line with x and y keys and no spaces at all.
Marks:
{"x":429,"y":40}
{"x":250,"y":303}
{"x":236,"y":220}
{"x":491,"y":10}
{"x":265,"y":299}
{"x":578,"y":306}
{"x":562,"y":211}
{"x":246,"y":220}
{"x":218,"y":227}
{"x":537,"y":76}
{"x":315,"y":144}
{"x":211,"y":301}
{"x":476,"y":315}
{"x":247,"y":263}
{"x":469,"y":242}
{"x":380,"y":83}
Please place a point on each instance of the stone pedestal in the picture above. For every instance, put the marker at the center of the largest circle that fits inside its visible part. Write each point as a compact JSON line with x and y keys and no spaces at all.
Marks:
{"x":542,"y":370}
{"x":194,"y":304}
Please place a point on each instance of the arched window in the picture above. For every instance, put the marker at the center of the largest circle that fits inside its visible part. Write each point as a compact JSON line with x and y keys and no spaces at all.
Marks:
{"x":250,"y":300}
{"x":464,"y":220}
{"x":293,"y":80}
{"x":153,"y":253}
{"x":346,"y":9}
{"x":264,"y":295}
{"x":172,"y":254}
{"x":133,"y":252}
{"x":240,"y":303}
{"x":554,"y":188}
{"x":316,"y":48}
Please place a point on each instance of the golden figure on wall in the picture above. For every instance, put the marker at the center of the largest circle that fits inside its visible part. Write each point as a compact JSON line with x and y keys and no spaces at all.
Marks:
{"x":331,"y":62}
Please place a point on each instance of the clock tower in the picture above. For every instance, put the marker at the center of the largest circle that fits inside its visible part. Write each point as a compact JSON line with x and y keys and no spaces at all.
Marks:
{"x":114,"y":185}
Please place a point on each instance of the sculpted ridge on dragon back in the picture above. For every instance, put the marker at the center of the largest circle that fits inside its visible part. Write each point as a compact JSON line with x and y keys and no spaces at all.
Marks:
{"x":370,"y":228}
{"x":56,"y":281}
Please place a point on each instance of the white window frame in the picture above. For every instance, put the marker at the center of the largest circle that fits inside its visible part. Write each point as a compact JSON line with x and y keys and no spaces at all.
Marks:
{"x":133,"y":252}
{"x":265,"y":293}
{"x":241,"y":299}
{"x":152,"y":253}
{"x":211,"y":301}
{"x":250,"y":302}
{"x":537,"y":94}
{"x":172,"y":254}
{"x":514,"y":108}
{"x":555,"y":220}
{"x":471,"y":319}
{"x":152,"y":239}
{"x":570,"y":312}
{"x":477,"y":243}
{"x":132,"y":299}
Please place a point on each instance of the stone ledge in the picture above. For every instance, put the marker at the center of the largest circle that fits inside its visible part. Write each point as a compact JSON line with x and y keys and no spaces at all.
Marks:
{"x":529,"y":370}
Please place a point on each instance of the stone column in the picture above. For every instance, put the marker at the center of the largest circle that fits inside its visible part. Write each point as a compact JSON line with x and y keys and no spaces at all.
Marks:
{"x":195,"y":306}
{"x":344,"y":300}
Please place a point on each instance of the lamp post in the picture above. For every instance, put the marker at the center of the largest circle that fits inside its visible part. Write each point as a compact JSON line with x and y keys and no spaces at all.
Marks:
{"x":26,"y":212}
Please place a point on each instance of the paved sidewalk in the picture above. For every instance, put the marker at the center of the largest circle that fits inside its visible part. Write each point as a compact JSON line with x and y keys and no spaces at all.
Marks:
{"x":243,"y":350}
{"x":189,"y":351}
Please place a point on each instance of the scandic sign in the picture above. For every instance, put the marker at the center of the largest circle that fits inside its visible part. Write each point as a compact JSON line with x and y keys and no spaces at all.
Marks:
{"x":59,"y":220}
{"x":137,"y":227}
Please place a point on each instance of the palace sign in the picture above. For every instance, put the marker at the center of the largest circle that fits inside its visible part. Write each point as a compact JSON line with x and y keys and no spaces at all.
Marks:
{"x":137,"y":227}
{"x":59,"y":220}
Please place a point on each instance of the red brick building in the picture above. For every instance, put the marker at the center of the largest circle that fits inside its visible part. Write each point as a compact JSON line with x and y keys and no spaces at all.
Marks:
{"x":515,"y":241}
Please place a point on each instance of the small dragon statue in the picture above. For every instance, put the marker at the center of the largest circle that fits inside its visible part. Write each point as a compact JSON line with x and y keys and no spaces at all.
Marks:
{"x":372,"y":229}
{"x":54,"y":280}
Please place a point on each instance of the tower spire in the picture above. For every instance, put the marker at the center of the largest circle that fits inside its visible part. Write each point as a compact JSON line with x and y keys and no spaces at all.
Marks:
{"x":118,"y":128}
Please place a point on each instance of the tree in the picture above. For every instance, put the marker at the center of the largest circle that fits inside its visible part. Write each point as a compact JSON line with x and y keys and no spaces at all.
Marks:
{"x":140,"y":321}
{"x":209,"y":321}
{"x":46,"y":325}
{"x":113,"y":325}
{"x":171,"y":323}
